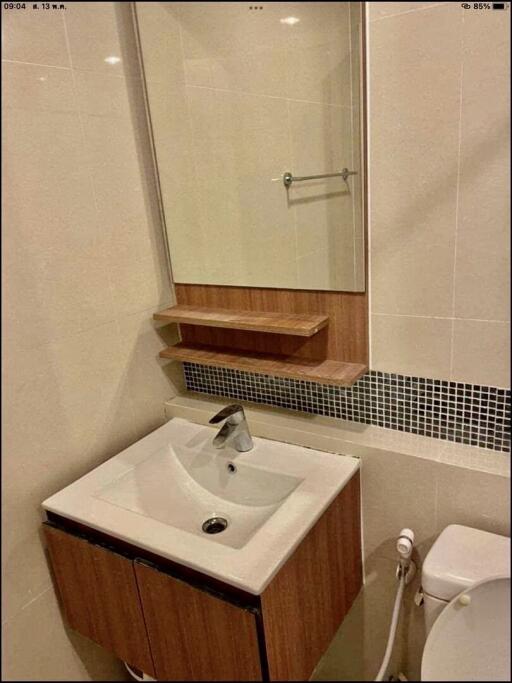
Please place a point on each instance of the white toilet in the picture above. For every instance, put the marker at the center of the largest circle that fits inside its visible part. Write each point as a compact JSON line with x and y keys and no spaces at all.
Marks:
{"x":466,"y":592}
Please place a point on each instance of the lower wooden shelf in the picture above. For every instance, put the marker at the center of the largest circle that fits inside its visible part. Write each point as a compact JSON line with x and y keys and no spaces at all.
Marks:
{"x":325,"y":371}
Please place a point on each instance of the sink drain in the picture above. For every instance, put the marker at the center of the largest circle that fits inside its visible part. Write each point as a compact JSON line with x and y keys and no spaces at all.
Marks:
{"x":215,"y":525}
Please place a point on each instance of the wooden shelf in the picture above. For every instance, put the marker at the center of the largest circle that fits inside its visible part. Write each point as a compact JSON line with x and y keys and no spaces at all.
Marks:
{"x":326,"y":371}
{"x":302,"y":325}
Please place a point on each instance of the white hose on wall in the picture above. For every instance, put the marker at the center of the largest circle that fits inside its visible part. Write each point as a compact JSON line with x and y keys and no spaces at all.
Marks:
{"x":392,"y":630}
{"x":404,"y":546}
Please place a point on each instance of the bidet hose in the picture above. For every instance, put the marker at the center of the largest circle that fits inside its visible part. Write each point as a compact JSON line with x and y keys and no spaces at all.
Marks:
{"x":394,"y":624}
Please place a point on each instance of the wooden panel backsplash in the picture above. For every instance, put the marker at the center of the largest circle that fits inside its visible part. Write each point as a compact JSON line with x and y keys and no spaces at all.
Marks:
{"x":345,"y":338}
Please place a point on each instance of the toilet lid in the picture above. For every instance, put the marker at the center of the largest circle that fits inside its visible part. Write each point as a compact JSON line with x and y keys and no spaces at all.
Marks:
{"x":471,"y":642}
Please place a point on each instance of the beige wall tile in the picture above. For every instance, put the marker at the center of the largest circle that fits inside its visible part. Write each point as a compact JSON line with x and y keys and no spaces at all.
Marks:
{"x":214,"y":163}
{"x":56,"y":295}
{"x":37,"y":88}
{"x":36,"y":646}
{"x":482,"y":285}
{"x":47,"y":162}
{"x":321,"y":143}
{"x":315,"y":268}
{"x":474,"y":499}
{"x":161,"y":18}
{"x":277,"y":273}
{"x":482,"y":274}
{"x":115,"y":167}
{"x":397,"y":491}
{"x":130,"y":235}
{"x":138,"y":280}
{"x":24,"y":568}
{"x":34,"y":36}
{"x":240,"y":144}
{"x":181,"y":195}
{"x":148,"y":379}
{"x":328,"y":268}
{"x":414,"y":121}
{"x":324,"y":209}
{"x":254,"y":69}
{"x":411,"y":346}
{"x":412,"y":263}
{"x":245,"y":50}
{"x":94,"y":37}
{"x":481,"y":352}
{"x":320,"y":22}
{"x":88,"y":367}
{"x":100,"y":94}
{"x":255,"y":138}
{"x":380,"y":10}
{"x":76,"y":420}
{"x":417,"y":267}
{"x":321,"y":71}
{"x":172,"y":133}
{"x":57,"y":280}
{"x":267,"y":234}
{"x":325,"y":223}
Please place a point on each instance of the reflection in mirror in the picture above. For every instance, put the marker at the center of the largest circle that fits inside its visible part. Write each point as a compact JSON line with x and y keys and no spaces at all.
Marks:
{"x":240,"y":95}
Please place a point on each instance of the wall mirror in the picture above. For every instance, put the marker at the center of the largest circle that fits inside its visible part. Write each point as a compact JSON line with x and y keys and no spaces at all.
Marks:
{"x":246,"y":102}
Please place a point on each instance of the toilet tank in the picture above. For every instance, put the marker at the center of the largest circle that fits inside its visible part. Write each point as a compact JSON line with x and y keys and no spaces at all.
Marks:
{"x":460,"y":557}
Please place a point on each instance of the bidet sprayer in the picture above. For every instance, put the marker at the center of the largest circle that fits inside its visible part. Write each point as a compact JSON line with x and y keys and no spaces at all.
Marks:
{"x":405,"y":543}
{"x":405,"y":546}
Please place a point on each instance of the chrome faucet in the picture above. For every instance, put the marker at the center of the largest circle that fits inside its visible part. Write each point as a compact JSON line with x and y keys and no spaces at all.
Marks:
{"x":235,"y":427}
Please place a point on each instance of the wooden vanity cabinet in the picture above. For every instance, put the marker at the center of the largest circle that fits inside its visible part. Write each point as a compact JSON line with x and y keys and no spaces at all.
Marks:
{"x":177,"y":624}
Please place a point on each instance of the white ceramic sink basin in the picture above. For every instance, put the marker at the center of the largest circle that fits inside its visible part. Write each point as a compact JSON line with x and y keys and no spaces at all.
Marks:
{"x":158,"y":493}
{"x":184,"y":488}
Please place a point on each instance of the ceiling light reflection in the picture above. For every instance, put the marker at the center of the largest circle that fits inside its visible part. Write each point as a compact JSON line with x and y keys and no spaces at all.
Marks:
{"x":291,"y":21}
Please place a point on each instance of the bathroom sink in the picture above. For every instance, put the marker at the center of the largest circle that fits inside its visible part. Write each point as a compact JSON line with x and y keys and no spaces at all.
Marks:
{"x":185,"y":488}
{"x":234,"y":516}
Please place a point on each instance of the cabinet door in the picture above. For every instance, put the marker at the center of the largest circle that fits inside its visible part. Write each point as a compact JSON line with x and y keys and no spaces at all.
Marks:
{"x":99,"y":596}
{"x":194,"y":635}
{"x":305,"y":603}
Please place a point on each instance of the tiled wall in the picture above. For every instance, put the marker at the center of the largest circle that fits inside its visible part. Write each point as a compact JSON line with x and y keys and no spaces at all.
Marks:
{"x":439,"y":82}
{"x":238,"y":97}
{"x":83,"y":270}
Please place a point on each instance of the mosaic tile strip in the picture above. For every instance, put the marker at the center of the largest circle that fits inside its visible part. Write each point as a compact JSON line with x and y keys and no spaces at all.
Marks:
{"x":465,"y":413}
